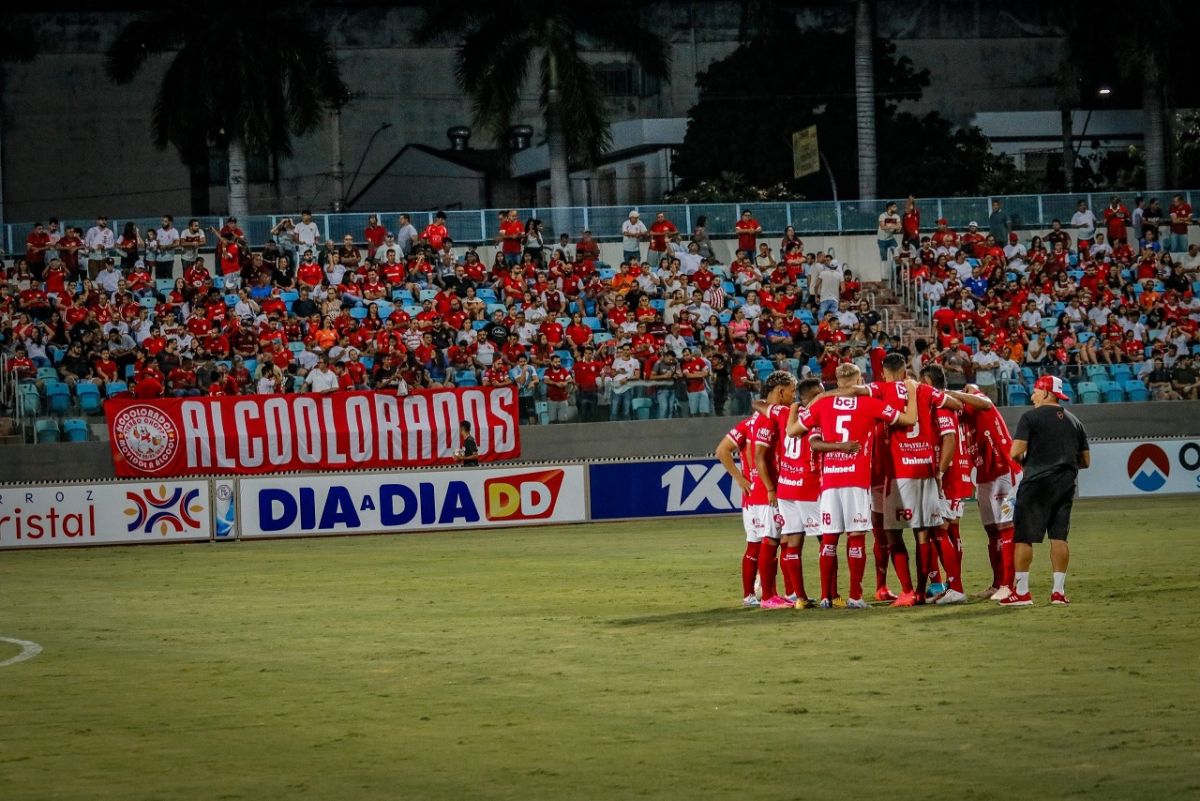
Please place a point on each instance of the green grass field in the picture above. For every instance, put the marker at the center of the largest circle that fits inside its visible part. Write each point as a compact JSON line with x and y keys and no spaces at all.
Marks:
{"x":593,"y":662}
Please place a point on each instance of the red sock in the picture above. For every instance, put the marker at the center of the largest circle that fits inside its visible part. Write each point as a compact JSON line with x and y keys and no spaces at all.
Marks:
{"x":949,"y":554}
{"x":926,"y":564}
{"x":994,"y":557}
{"x":768,"y":566}
{"x":899,"y":553}
{"x":881,"y":556}
{"x":856,"y":556}
{"x":1006,"y":556}
{"x":793,"y":570}
{"x":829,"y":565}
{"x":956,"y":539}
{"x":749,"y":568}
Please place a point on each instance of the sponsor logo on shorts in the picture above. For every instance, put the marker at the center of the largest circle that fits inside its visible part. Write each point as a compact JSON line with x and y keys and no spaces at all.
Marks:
{"x":1148,"y":467}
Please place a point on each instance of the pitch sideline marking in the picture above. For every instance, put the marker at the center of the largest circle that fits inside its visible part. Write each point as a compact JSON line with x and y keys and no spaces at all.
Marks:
{"x":28,"y":651}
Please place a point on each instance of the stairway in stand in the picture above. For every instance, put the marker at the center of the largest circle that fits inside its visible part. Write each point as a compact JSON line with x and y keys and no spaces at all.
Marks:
{"x":899,"y":317}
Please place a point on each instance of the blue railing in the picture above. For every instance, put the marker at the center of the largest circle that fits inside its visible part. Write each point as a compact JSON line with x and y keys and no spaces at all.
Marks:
{"x":477,"y":226}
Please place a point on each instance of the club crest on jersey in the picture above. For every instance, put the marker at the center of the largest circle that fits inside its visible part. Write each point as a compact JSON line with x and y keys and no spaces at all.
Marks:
{"x":845,"y":403}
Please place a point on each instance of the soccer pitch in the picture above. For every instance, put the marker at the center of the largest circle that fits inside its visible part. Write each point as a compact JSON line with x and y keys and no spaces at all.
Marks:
{"x":606,"y":661}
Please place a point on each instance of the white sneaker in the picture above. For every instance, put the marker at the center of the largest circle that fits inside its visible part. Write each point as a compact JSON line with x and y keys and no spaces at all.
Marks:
{"x":750,"y":600}
{"x":857,"y":603}
{"x":952,"y":597}
{"x":792,"y":599}
{"x":990,"y":592}
{"x":1002,"y":593}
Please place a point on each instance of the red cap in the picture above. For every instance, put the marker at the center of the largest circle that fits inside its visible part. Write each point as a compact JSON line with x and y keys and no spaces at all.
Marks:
{"x":942,"y":221}
{"x":1051,"y":384}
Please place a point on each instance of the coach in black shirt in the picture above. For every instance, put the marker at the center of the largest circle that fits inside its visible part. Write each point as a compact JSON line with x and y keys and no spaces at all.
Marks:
{"x":1052,"y":446}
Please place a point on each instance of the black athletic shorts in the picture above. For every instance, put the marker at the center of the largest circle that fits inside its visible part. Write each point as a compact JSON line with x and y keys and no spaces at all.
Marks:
{"x":1044,"y":507}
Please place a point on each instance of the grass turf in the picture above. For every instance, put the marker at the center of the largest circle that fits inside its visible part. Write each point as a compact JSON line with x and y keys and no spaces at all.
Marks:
{"x":592,"y":662}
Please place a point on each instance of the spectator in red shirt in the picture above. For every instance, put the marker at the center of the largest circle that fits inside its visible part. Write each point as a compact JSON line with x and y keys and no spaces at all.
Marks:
{"x":660,"y":230}
{"x":1116,"y":221}
{"x":747,"y":230}
{"x":587,"y":371}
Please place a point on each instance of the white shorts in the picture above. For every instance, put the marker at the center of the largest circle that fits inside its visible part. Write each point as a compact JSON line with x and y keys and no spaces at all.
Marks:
{"x":951,"y":509}
{"x":845,"y":509}
{"x":912,"y":503}
{"x":800,"y":517}
{"x":997,"y":501}
{"x":759,"y":522}
{"x":878,"y":499}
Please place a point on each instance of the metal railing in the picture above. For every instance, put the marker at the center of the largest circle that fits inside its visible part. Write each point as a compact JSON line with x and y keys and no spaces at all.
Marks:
{"x":476,"y":226}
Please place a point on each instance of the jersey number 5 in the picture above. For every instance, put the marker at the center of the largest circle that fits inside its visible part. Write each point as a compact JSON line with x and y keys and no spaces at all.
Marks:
{"x":840,"y":427}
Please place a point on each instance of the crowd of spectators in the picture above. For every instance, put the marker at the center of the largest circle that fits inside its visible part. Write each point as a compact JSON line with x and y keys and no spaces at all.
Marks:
{"x":1099,"y":299}
{"x":670,"y":330}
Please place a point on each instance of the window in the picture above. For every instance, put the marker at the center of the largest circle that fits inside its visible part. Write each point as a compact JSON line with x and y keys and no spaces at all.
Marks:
{"x":606,"y":188}
{"x":258,"y":167}
{"x":624,"y":80}
{"x":637,"y":183}
{"x":1036,"y":162}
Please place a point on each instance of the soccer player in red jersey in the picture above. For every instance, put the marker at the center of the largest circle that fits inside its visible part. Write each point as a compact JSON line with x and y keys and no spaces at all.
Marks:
{"x":799,"y":487}
{"x":778,"y":390}
{"x":956,"y":472}
{"x":846,"y":476}
{"x":911,"y":499}
{"x":996,"y":478}
{"x":739,"y":441}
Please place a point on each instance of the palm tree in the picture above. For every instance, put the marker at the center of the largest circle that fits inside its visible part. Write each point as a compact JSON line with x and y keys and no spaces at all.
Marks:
{"x":864,"y":96}
{"x":499,"y":42}
{"x":247,"y":75}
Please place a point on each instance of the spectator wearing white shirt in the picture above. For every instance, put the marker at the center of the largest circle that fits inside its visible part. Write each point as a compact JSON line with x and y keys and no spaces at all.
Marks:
{"x":933,"y":291}
{"x":98,"y":240}
{"x":1084,"y":220}
{"x":828,"y":289}
{"x":633,"y":231}
{"x":306,"y":234}
{"x":961,"y":266}
{"x":321,"y":379}
{"x":689,"y":263}
{"x":168,"y":241}
{"x":109,"y":278}
{"x":1032,"y":316}
{"x":986,"y":362}
{"x":1101,"y":251}
{"x":406,"y":236}
{"x":625,"y":369}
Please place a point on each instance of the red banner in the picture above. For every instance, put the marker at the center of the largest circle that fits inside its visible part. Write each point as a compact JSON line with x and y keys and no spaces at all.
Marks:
{"x":280,"y":433}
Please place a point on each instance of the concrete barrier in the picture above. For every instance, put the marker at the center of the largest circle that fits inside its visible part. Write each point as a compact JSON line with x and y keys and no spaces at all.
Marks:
{"x":590,"y":441}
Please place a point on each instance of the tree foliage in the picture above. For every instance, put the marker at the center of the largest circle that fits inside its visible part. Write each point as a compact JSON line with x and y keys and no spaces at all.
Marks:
{"x":500,"y":41}
{"x":752,"y":101}
{"x":252,"y":71}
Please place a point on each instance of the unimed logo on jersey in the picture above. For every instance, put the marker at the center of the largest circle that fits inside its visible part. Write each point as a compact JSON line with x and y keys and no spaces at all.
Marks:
{"x":527,"y":496}
{"x":1148,"y":467}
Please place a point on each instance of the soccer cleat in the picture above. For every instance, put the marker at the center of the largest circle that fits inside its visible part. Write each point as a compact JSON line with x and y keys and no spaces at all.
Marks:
{"x":776,"y":602}
{"x":1016,"y":599}
{"x":884,"y":594}
{"x":952,"y":597}
{"x":857,"y":603}
{"x":792,"y":598}
{"x":906,"y":599}
{"x":990,"y":592}
{"x":1059,"y":599}
{"x":839,"y":602}
{"x":1002,"y":593}
{"x":935,"y":590}
{"x":806,"y":603}
{"x":749,"y":600}
{"x":825,"y":604}
{"x":758,"y":586}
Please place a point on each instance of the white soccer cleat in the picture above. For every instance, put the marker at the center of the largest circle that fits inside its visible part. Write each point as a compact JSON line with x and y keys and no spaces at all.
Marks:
{"x":1002,"y":593}
{"x":951,"y":597}
{"x":990,"y":592}
{"x":749,"y":600}
{"x":857,"y":603}
{"x":757,"y":586}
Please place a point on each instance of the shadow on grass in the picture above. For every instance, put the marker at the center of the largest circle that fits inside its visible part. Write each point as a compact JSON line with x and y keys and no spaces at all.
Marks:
{"x":757,"y":617}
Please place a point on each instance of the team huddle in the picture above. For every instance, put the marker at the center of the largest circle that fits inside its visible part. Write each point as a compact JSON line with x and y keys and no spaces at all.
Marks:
{"x":892,"y":455}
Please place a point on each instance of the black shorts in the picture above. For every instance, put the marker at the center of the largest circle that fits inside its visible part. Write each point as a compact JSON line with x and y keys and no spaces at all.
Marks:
{"x":1044,"y":508}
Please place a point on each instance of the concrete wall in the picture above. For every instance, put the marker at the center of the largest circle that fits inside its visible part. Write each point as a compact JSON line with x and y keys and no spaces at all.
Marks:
{"x":693,"y":437}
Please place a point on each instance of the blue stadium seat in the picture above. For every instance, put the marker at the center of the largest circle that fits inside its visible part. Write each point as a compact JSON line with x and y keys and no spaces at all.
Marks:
{"x":165,"y":285}
{"x":1089,"y":392}
{"x":492,"y":308}
{"x":76,"y":429}
{"x":592,"y":323}
{"x":1121,"y":373}
{"x":1136,"y":391}
{"x":115,"y":387}
{"x":358,"y":313}
{"x":465,"y":378}
{"x":89,"y":397}
{"x":600,"y":337}
{"x":1113,"y":393}
{"x":58,"y":398}
{"x":428,"y":294}
{"x":1069,"y":391}
{"x":1018,"y":395}
{"x":47,"y":374}
{"x":30,"y":399}
{"x":1097,"y":372}
{"x":641,"y":408}
{"x":46,"y":430}
{"x":1028,"y":374}
{"x":478,"y":325}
